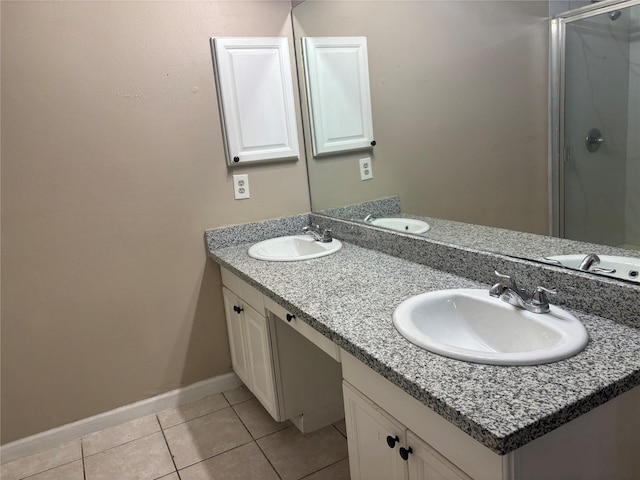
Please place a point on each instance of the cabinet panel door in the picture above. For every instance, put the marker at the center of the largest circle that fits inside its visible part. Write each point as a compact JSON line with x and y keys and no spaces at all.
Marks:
{"x":235,"y":331}
{"x":337,"y":76}
{"x":255,"y":92}
{"x":370,"y":456}
{"x":260,"y":360}
{"x":425,"y":463}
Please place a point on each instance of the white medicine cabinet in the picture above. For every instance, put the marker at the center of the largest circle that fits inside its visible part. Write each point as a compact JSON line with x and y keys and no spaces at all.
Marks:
{"x":255,"y":96}
{"x":338,"y":95}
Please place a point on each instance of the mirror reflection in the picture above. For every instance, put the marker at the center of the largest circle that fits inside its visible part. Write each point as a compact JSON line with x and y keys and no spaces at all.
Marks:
{"x":460,"y":107}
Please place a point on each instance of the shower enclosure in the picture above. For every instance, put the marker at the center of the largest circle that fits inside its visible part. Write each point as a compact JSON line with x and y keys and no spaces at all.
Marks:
{"x":595,"y":138}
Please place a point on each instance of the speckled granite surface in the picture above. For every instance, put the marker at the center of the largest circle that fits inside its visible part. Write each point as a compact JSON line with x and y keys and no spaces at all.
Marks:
{"x":255,"y":232}
{"x":384,"y":207}
{"x":479,"y":237}
{"x":614,"y":299}
{"x":350,"y":296}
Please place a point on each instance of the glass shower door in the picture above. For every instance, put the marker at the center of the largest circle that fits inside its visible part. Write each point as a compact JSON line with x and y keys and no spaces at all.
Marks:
{"x":600,"y":128}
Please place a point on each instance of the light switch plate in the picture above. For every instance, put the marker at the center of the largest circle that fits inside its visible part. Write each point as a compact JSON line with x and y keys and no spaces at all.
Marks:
{"x":366,"y":170}
{"x":241,"y":186}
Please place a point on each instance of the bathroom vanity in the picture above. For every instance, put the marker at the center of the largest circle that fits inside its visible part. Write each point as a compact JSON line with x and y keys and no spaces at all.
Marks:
{"x":320,"y":339}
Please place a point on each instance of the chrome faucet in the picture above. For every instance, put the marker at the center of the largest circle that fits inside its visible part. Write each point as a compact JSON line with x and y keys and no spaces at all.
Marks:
{"x":315,"y":232}
{"x":589,"y":261}
{"x":512,"y":294}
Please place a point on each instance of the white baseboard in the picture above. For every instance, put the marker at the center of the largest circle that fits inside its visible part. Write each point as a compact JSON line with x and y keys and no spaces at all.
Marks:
{"x":73,"y":431}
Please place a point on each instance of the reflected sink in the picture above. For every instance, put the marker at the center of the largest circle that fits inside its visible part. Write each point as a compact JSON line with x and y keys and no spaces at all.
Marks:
{"x":293,"y":248}
{"x":407,"y":225}
{"x":626,"y":268}
{"x":470,"y":325}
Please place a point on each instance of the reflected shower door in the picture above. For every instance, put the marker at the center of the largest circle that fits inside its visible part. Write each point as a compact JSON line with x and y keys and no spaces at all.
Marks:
{"x":600,"y":182}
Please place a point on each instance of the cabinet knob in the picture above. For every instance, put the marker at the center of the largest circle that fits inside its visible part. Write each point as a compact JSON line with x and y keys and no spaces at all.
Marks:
{"x":236,"y":159}
{"x":290,"y":317}
{"x":391,"y":441}
{"x":373,"y":143}
{"x":238,"y":309}
{"x":404,"y":452}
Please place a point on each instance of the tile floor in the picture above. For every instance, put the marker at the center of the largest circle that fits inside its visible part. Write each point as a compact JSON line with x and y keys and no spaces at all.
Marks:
{"x":222,"y":436}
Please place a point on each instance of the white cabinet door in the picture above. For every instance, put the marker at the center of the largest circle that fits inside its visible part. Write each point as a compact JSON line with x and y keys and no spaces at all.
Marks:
{"x":250,"y":347}
{"x":425,"y":463}
{"x":258,"y":346}
{"x":255,"y":95}
{"x":374,"y":439}
{"x":235,"y":330}
{"x":337,"y":78}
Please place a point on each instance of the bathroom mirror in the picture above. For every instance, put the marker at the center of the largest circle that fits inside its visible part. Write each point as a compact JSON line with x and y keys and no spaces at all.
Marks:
{"x":460,"y":108}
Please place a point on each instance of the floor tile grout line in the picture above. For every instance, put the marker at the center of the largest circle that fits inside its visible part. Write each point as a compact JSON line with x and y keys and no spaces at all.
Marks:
{"x":84,"y":470}
{"x":320,"y":469}
{"x":241,"y":402}
{"x":266,"y":434}
{"x":339,"y":431}
{"x":255,"y":440}
{"x":215,"y":455}
{"x":123,"y":443}
{"x":166,"y":442}
{"x":194,"y":418}
{"x":49,"y":469}
{"x":243,"y":424}
{"x":268,"y":459}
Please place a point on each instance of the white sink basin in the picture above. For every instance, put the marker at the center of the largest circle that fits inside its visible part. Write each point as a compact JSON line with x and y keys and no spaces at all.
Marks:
{"x":293,"y":248}
{"x":407,"y":225}
{"x":469,"y":324}
{"x":626,"y":268}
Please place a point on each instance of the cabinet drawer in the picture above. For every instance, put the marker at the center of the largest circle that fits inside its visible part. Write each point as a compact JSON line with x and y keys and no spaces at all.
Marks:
{"x":319,"y":340}
{"x":242,"y":289}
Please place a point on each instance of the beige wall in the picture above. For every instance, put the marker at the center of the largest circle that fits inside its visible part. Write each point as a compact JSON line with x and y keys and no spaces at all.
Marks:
{"x":112,"y":168}
{"x":459,"y":99}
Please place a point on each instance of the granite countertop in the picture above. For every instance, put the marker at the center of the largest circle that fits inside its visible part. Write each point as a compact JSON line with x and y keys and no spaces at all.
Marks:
{"x":350,"y":297}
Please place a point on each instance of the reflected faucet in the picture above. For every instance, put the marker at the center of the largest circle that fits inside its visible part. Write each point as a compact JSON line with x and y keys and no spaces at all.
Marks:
{"x":512,"y":294}
{"x":589,"y":261}
{"x":368,"y":218}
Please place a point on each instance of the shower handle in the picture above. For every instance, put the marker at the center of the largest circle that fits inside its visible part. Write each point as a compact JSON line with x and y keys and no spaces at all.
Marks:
{"x":593,"y":140}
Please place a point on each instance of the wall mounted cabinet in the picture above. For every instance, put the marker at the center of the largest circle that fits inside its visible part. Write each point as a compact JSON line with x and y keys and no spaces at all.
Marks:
{"x":255,"y":97}
{"x":338,"y":95}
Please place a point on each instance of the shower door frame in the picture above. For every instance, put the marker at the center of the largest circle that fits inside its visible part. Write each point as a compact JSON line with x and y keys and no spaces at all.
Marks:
{"x":557,"y":43}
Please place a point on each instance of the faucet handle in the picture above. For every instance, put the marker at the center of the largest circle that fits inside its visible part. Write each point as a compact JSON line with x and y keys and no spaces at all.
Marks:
{"x":550,"y":291}
{"x":539,"y":297}
{"x":511,"y":281}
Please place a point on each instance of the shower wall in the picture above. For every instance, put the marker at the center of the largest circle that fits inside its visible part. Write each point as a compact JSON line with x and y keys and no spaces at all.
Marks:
{"x":596,"y":96}
{"x":632,"y":212}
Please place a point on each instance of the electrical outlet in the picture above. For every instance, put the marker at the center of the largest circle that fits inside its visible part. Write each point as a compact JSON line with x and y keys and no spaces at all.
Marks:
{"x":366,"y":170}
{"x":241,"y":186}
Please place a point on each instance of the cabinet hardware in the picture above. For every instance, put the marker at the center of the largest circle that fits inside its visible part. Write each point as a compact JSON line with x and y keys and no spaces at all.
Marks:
{"x":238,"y":309}
{"x":391,"y":441}
{"x":290,"y":317}
{"x":404,"y":452}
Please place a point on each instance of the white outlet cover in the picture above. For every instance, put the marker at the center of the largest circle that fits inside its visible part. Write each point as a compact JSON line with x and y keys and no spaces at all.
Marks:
{"x":241,"y":186}
{"x":366,"y":169}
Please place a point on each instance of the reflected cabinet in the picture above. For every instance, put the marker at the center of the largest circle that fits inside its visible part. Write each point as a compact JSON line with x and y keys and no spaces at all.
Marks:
{"x":338,"y":95}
